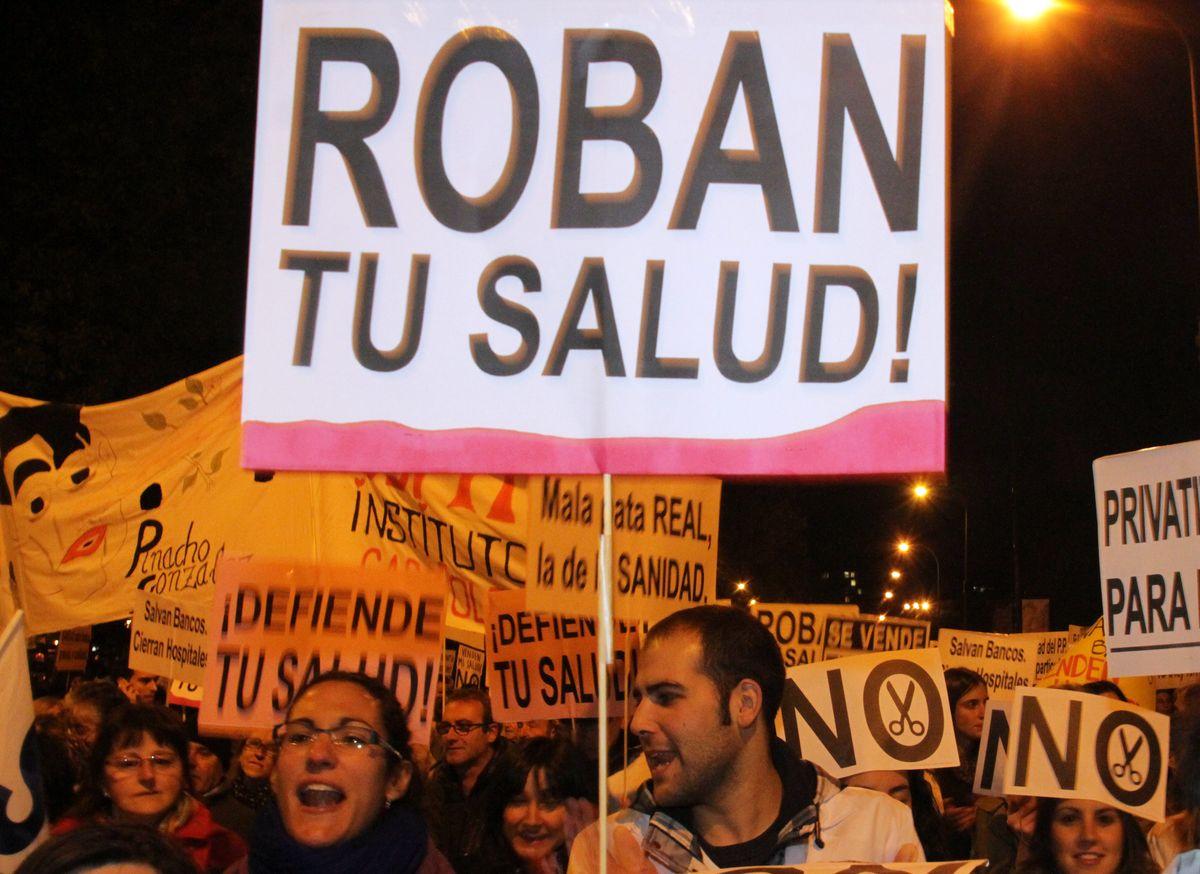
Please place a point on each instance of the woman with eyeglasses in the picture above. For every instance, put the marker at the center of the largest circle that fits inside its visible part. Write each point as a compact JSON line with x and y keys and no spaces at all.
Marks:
{"x":247,"y":787}
{"x":138,"y":774}
{"x":345,"y":787}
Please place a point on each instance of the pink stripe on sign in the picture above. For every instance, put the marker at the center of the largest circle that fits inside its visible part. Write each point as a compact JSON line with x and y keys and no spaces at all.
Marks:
{"x":908,"y":437}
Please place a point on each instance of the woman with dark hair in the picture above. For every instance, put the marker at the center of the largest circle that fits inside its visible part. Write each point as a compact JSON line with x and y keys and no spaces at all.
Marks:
{"x":1074,"y":836}
{"x":94,"y":847}
{"x":968,"y":696}
{"x":345,"y":786}
{"x":138,"y":774}
{"x":911,"y":788}
{"x":538,"y":800}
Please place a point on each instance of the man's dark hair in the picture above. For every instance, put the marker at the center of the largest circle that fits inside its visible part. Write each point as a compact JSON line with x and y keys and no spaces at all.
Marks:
{"x":101,"y":694}
{"x":1105,"y":687}
{"x":736,"y":647}
{"x":476,"y":694}
{"x":94,"y":845}
{"x":57,"y":424}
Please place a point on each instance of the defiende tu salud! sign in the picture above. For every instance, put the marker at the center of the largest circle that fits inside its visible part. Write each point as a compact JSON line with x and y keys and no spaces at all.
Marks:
{"x":628,"y":239}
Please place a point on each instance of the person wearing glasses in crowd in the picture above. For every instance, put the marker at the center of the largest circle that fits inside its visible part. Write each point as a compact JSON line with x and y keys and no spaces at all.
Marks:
{"x":345,"y":787}
{"x":471,"y":744}
{"x":247,"y":788}
{"x":138,"y":774}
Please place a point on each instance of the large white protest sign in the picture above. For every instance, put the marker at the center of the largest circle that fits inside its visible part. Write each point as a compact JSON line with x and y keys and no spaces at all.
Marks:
{"x":1075,"y":745}
{"x":1148,"y":528}
{"x":634,"y":237}
{"x":853,"y":635}
{"x":799,"y":629}
{"x":1006,"y":662}
{"x":993,"y":749}
{"x":869,"y":713}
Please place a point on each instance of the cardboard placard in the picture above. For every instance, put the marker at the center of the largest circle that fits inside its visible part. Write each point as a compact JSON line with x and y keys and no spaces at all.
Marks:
{"x":169,"y":638}
{"x":274,"y":626}
{"x":799,"y":629}
{"x":1005,"y":661}
{"x":854,"y":635}
{"x":184,"y":694}
{"x":993,"y":749}
{"x":885,"y":711}
{"x":74,"y":646}
{"x":544,"y":666}
{"x":607,"y":289}
{"x":664,"y":544}
{"x":1148,"y":529}
{"x":1075,"y":745}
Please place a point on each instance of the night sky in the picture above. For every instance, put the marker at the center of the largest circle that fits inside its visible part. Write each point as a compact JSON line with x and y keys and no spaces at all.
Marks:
{"x":1074,"y":240}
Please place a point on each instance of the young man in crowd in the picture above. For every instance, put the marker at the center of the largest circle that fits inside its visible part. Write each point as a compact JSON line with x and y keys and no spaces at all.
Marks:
{"x":138,"y":686}
{"x":471,"y":742}
{"x":725,"y":792}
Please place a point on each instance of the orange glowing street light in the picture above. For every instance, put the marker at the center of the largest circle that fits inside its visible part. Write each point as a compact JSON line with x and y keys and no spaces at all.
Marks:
{"x":920,"y":491}
{"x":903,"y":546}
{"x":740,"y":585}
{"x":1028,"y":10}
{"x":895,"y":574}
{"x":888,"y":595}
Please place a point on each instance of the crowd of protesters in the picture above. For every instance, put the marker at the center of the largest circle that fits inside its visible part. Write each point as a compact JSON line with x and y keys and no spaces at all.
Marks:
{"x":699,"y":782}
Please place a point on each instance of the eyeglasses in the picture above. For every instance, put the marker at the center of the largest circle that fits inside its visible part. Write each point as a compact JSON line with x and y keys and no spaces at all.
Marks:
{"x":255,"y":745}
{"x":460,"y":728}
{"x":350,"y":736}
{"x":125,"y":766}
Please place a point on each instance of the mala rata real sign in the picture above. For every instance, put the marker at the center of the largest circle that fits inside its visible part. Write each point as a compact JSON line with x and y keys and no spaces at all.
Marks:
{"x":630,"y":238}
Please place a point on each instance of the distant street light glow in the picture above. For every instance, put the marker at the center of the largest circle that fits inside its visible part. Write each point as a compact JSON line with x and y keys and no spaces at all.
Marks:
{"x":1028,"y":10}
{"x":753,"y":601}
{"x":888,"y":595}
{"x":741,"y":586}
{"x":920,"y":491}
{"x":903,"y":546}
{"x":895,"y":574}
{"x":924,"y":605}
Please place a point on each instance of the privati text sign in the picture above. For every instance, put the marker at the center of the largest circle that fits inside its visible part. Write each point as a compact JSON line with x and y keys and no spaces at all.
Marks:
{"x":630,"y":237}
{"x":1148,"y":527}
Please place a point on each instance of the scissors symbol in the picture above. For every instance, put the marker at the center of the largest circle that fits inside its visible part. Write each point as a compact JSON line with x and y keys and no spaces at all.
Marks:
{"x":903,"y":721}
{"x":1120,"y":769}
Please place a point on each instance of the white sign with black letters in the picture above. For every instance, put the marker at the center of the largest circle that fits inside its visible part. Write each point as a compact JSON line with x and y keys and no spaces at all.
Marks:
{"x":886,"y":711}
{"x":1148,"y":528}
{"x":993,"y":749}
{"x":1076,"y":745}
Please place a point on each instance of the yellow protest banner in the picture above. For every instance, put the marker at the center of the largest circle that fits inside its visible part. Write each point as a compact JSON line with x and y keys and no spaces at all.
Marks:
{"x":1086,"y":660}
{"x":664,"y":544}
{"x":276,"y":626}
{"x":544,"y":666}
{"x":799,"y":629}
{"x":169,"y":638}
{"x":100,"y":503}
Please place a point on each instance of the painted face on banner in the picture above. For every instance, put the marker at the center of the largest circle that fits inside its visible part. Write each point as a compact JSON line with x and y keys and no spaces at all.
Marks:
{"x":1087,"y":837}
{"x":969,"y":713}
{"x":679,"y":719}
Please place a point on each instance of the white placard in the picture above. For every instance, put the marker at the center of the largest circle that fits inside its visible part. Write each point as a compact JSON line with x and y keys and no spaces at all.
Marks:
{"x":1076,"y":745}
{"x":1148,"y":528}
{"x":633,"y":237}
{"x":993,"y":749}
{"x":1006,"y":662}
{"x":879,"y":712}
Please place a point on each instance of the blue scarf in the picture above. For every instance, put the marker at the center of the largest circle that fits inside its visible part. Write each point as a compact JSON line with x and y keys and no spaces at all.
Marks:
{"x":395,"y":844}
